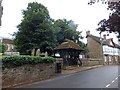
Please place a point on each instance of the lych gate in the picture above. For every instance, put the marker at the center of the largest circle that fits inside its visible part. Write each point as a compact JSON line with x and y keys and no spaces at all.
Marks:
{"x":69,"y":51}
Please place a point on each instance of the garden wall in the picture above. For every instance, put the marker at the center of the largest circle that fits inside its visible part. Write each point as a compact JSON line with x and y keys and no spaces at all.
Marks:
{"x":86,"y":62}
{"x":26,"y":74}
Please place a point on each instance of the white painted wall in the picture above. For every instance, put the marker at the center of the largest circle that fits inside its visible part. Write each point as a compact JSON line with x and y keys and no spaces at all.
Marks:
{"x":110,"y":50}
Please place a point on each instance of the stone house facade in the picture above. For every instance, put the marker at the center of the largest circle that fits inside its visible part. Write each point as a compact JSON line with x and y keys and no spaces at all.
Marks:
{"x":94,"y":46}
{"x":103,"y":49}
{"x":8,"y":42}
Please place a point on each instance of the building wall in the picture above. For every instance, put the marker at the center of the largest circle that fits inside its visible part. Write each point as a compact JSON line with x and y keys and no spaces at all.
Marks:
{"x":108,"y":52}
{"x":7,"y":42}
{"x":111,"y":54}
{"x":95,"y":49}
{"x":9,"y":47}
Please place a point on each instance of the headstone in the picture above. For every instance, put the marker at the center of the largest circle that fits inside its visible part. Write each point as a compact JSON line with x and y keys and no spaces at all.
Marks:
{"x":33,"y":51}
{"x":38,"y":52}
{"x":46,"y":54}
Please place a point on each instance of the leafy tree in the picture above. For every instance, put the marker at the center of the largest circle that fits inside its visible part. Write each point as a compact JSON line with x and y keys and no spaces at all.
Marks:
{"x":35,"y":30}
{"x":66,"y":30}
{"x":84,"y":46}
{"x":3,"y":48}
{"x":38,"y":30}
{"x":113,"y":23}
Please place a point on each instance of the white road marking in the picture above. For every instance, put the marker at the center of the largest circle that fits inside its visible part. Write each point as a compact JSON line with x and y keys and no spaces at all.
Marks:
{"x":113,"y":81}
{"x":108,"y":85}
{"x":116,"y":78}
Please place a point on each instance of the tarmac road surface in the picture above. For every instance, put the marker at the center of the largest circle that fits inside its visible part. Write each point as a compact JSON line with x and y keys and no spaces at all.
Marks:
{"x":102,"y":77}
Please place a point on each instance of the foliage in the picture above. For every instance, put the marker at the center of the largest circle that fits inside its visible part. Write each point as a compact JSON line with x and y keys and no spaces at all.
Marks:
{"x":13,"y":61}
{"x":84,"y":46}
{"x":38,"y":30}
{"x":35,"y":30}
{"x":3,"y":48}
{"x":66,"y":30}
{"x":113,"y":23}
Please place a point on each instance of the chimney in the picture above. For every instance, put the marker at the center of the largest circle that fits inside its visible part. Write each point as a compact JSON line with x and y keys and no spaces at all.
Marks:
{"x":104,"y":37}
{"x":88,"y":34}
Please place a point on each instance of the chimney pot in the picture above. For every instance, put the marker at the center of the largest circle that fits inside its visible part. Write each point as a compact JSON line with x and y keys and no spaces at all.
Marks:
{"x":104,"y":36}
{"x":88,"y":33}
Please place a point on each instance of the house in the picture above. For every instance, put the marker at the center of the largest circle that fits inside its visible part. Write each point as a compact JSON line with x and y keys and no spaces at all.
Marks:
{"x":10,"y":46}
{"x":8,"y":42}
{"x":103,"y":49}
{"x":1,"y":11}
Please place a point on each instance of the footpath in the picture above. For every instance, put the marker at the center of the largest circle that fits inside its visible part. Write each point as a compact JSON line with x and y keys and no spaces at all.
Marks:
{"x":75,"y":69}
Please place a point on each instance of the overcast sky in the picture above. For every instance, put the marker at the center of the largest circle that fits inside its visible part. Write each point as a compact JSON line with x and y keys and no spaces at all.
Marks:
{"x":77,"y":10}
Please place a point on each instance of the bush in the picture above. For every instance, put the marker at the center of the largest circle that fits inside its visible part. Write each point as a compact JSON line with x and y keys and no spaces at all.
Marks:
{"x":13,"y":61}
{"x":3,"y":48}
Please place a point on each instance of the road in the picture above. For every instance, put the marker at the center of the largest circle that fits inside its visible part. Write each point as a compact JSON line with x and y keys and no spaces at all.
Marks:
{"x":0,"y":74}
{"x":102,"y":77}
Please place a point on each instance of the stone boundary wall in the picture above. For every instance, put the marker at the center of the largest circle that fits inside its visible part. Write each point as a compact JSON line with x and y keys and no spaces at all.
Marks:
{"x":26,"y":74}
{"x":86,"y":62}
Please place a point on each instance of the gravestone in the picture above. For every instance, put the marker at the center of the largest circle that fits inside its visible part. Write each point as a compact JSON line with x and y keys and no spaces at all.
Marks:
{"x":38,"y":52}
{"x":46,"y":54}
{"x":33,"y":52}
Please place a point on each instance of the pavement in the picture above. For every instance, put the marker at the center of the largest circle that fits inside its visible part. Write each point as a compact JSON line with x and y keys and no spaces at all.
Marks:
{"x":75,"y":69}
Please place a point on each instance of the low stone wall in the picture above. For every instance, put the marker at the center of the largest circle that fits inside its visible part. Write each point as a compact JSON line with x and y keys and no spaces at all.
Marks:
{"x":86,"y":62}
{"x":26,"y":74}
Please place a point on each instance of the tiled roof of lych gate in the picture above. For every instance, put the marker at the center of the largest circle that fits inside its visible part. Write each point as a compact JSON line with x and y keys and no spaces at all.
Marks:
{"x":69,"y":44}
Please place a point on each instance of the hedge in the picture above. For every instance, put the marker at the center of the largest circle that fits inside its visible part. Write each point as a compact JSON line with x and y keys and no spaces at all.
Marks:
{"x":13,"y":61}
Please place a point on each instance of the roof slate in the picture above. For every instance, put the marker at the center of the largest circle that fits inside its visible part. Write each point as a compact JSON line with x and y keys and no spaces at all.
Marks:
{"x":7,"y":41}
{"x":104,"y":42}
{"x":69,"y":44}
